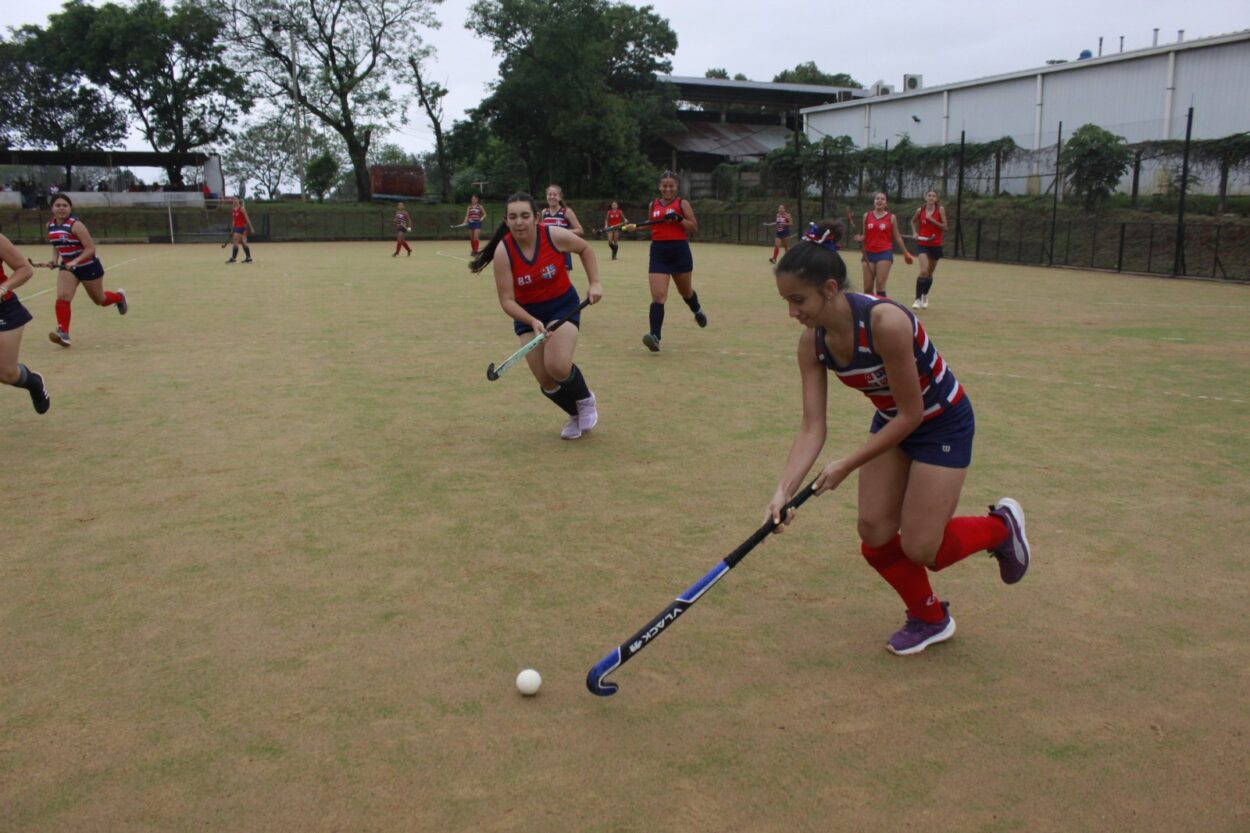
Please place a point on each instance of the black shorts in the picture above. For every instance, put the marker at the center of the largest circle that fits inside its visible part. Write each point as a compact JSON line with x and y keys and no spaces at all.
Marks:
{"x":13,"y":315}
{"x":551,"y":310}
{"x":931,"y":252}
{"x":88,"y":271}
{"x":670,"y":257}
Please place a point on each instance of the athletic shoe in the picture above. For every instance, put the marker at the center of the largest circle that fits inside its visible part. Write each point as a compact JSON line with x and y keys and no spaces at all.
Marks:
{"x":39,"y":393}
{"x":395,"y":255}
{"x":587,"y":413}
{"x":232,"y":260}
{"x":652,"y":341}
{"x":772,"y":260}
{"x":247,"y":260}
{"x":410,"y":253}
{"x":123,"y":306}
{"x":1013,"y":554}
{"x":59,"y":337}
{"x":924,"y":301}
{"x":915,"y":304}
{"x":916,"y":635}
{"x":572,"y":429}
{"x":700,"y":317}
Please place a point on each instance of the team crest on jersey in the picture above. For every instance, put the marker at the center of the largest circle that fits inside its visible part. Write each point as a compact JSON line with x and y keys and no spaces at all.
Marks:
{"x":549,"y":272}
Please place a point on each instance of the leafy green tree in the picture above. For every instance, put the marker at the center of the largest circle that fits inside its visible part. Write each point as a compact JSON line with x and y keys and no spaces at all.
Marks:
{"x":167,"y":64}
{"x":577,"y":97}
{"x":809,"y":73}
{"x":430,"y":94}
{"x":68,"y":116}
{"x":322,"y":170}
{"x":345,"y":61}
{"x":1094,"y":160}
{"x":264,"y":152}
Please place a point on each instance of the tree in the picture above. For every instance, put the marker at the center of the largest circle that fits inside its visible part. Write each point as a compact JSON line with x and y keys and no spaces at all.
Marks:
{"x":809,"y":73}
{"x":345,"y":61}
{"x":322,"y":170}
{"x":1094,"y":160}
{"x":166,"y":64}
{"x":577,"y":97}
{"x":431,"y":97}
{"x":67,"y":116}
{"x":264,"y":152}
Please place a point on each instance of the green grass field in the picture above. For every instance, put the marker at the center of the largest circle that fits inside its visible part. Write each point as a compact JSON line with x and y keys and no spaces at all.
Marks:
{"x":276,"y":554}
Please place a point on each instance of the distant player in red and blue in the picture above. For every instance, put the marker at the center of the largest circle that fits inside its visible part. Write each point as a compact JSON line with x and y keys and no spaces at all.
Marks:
{"x":613,"y":223}
{"x":474,"y":216}
{"x":913,"y":466}
{"x":928,"y":225}
{"x":403,"y":225}
{"x":781,"y":232}
{"x":670,"y":257}
{"x":13,"y":319}
{"x":824,"y":233}
{"x":879,"y":236}
{"x":76,"y":259}
{"x":561,"y":216}
{"x":240,"y":228}
{"x":534,"y":290}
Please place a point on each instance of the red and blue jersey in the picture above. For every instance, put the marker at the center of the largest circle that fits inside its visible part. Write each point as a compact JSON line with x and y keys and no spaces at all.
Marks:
{"x":927,"y":228}
{"x":61,"y":236}
{"x":402,"y":220}
{"x":540,"y":278}
{"x":238,"y":218}
{"x":782,"y":222}
{"x":475,"y":213}
{"x":615,"y":217}
{"x":665,"y":230}
{"x":866,"y":371}
{"x":878,"y":232}
{"x":6,"y":296}
{"x":553,"y":218}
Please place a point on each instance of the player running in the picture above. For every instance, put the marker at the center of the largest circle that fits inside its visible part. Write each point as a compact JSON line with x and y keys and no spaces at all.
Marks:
{"x":76,"y":259}
{"x":913,"y":465}
{"x":781,"y":232}
{"x":240,"y":228}
{"x":670,"y":257}
{"x":474,"y":216}
{"x":561,"y":216}
{"x":534,"y":289}
{"x":927,"y":225}
{"x":613,"y":223}
{"x":13,"y":318}
{"x":879,"y":236}
{"x":403,"y":225}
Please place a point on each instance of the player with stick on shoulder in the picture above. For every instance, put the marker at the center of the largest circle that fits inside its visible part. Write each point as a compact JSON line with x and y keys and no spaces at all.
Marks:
{"x":561,"y":216}
{"x":879,"y":236}
{"x":670,"y":257}
{"x":240,"y":228}
{"x":615,"y":219}
{"x":403,"y":225}
{"x":474,"y":216}
{"x":927,"y":225}
{"x":913,"y":464}
{"x":534,"y":289}
{"x":13,"y":318}
{"x":76,"y":259}
{"x":781,"y":232}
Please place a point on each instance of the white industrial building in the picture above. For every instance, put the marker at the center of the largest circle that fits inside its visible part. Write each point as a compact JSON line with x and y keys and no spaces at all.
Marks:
{"x":1142,"y":95}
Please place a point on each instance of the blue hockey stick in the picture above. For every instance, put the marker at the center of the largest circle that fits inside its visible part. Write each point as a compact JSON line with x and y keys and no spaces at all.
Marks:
{"x":623,"y":653}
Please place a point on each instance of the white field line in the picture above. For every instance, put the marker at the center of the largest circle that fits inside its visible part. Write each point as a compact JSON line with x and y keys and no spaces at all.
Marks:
{"x":111,"y":268}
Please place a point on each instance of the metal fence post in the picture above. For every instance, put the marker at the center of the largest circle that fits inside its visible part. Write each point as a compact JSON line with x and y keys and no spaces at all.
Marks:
{"x":1119,"y":260}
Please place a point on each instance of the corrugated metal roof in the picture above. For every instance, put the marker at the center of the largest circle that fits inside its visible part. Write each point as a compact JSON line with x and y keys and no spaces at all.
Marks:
{"x":731,"y":140}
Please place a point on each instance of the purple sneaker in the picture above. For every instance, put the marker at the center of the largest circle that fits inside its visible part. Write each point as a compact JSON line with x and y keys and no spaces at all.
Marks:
{"x":1013,"y":555}
{"x":916,"y":635}
{"x":572,"y":429}
{"x":587,"y":412}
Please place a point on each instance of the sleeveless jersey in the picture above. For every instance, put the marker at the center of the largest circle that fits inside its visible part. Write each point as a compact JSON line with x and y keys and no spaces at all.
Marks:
{"x":783,"y":222}
{"x":237,"y":219}
{"x":554,"y":218}
{"x":615,"y":217}
{"x":475,"y":213}
{"x":6,"y":296}
{"x":878,"y":233}
{"x":63,"y":239}
{"x":926,"y":228}
{"x":402,"y":219}
{"x":663,"y":230}
{"x":542,"y":278}
{"x":866,"y":372}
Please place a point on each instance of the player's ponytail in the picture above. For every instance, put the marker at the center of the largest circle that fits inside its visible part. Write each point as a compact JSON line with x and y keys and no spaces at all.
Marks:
{"x":479,"y":261}
{"x":813,"y":264}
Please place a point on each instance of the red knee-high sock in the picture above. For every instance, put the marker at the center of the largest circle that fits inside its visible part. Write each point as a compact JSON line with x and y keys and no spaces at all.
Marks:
{"x":398,"y":245}
{"x":774,"y":252}
{"x":62,"y":315}
{"x":406,"y":246}
{"x":909,"y":580}
{"x":111,"y":298}
{"x":967,"y":535}
{"x":473,"y":246}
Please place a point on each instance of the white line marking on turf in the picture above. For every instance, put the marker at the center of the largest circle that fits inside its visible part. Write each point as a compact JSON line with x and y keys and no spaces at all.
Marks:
{"x":453,"y":257}
{"x":114,"y":266}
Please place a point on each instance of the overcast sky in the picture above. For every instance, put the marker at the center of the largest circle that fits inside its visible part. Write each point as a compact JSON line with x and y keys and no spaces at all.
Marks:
{"x":954,"y":40}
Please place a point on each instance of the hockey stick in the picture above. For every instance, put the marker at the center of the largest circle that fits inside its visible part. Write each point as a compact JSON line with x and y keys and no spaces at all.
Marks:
{"x":458,"y":225}
{"x":625,"y":651}
{"x":629,"y":226}
{"x":493,"y":372}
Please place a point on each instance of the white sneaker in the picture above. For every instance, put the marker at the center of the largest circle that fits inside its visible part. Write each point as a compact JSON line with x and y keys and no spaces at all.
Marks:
{"x":924,"y":301}
{"x":572,"y":429}
{"x":915,"y":304}
{"x":587,"y":413}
